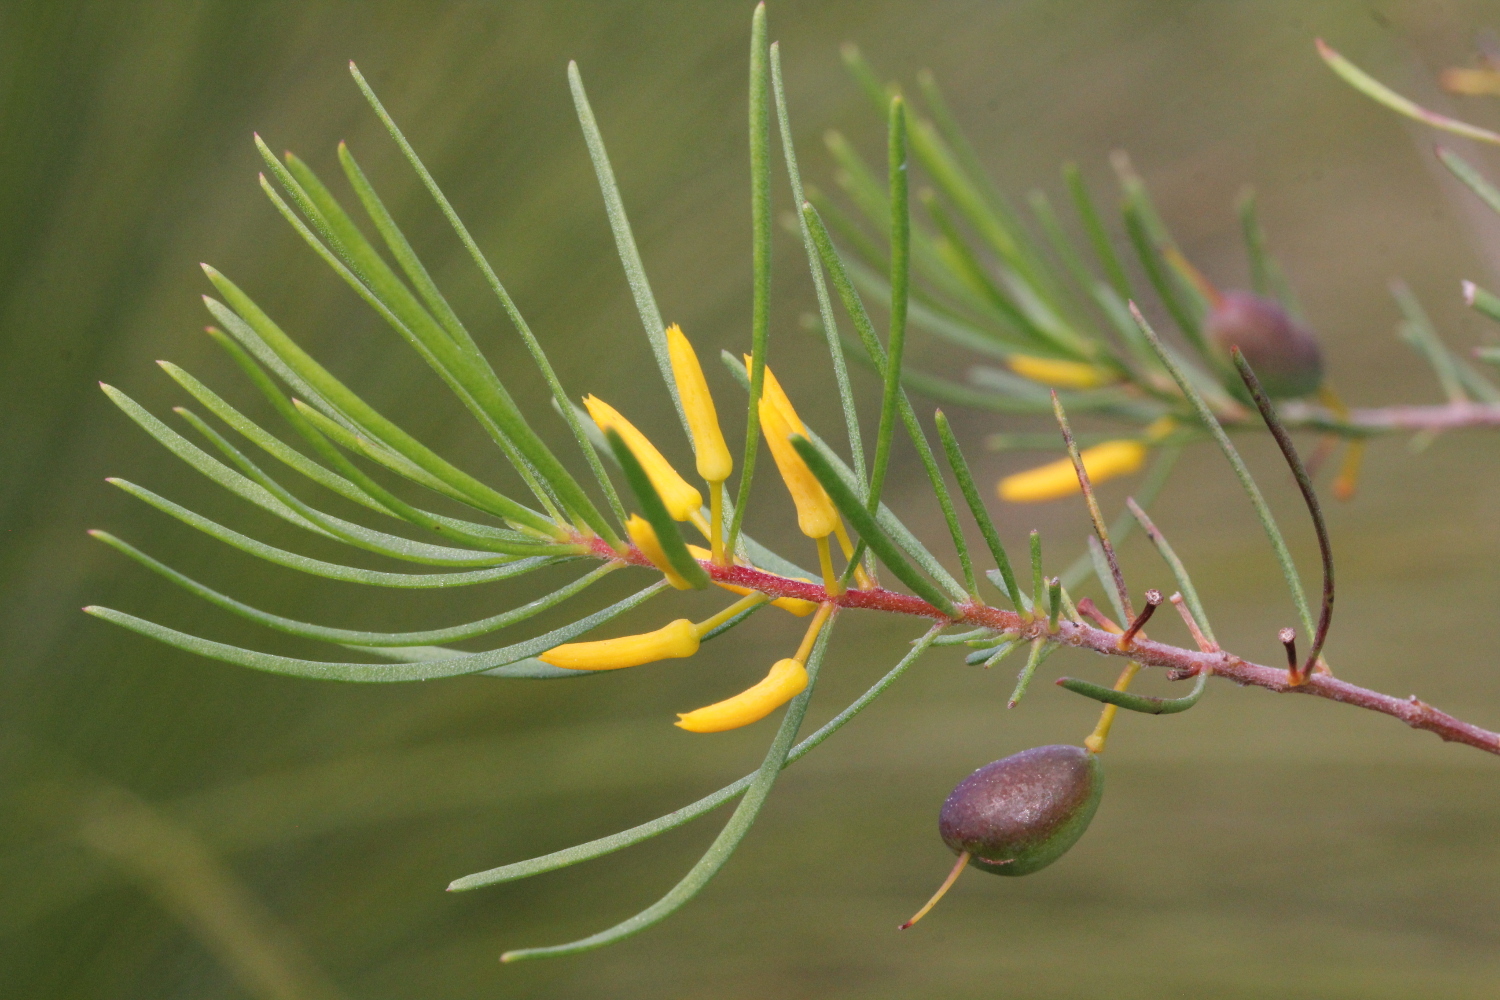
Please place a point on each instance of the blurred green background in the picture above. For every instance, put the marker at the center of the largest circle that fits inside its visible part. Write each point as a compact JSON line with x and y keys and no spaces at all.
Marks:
{"x":1259,"y":845}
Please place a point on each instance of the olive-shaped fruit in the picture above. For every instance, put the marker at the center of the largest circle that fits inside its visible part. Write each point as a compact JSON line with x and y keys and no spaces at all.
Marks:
{"x":1284,"y":353}
{"x":1020,"y":814}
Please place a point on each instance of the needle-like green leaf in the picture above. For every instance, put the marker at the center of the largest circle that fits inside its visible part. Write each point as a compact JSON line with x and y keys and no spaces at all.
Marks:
{"x":960,"y":467}
{"x":378,"y":673}
{"x":506,"y":569}
{"x":815,"y":267}
{"x":1136,"y":702}
{"x":760,"y":257}
{"x":358,"y":637}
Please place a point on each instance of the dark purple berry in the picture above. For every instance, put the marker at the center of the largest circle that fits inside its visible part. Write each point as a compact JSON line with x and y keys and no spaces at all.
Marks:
{"x":1020,"y":814}
{"x":1285,"y":354}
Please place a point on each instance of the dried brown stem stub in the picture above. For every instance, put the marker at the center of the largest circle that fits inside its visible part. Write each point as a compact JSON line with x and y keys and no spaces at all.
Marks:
{"x":1304,"y":484}
{"x":1288,"y":637}
{"x":1153,"y":598}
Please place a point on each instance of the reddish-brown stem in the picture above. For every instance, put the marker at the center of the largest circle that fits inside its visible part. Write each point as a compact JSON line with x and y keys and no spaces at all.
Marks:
{"x":1186,"y":662}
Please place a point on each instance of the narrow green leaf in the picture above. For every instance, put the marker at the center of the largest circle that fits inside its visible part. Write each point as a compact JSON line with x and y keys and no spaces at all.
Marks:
{"x":864,"y":524}
{"x":1035,"y":539}
{"x":1486,"y":302}
{"x":1136,"y":702}
{"x":655,"y":512}
{"x":1418,"y":332}
{"x":471,"y":663}
{"x":760,"y":257}
{"x":680,"y":817}
{"x":1040,"y":650}
{"x":815,"y":268}
{"x":1370,"y":87}
{"x":960,"y":467}
{"x":334,"y":571}
{"x":625,"y":246}
{"x":1149,"y":255}
{"x":1093,"y":225}
{"x":357,"y":637}
{"x":728,"y":839}
{"x":1262,"y":509}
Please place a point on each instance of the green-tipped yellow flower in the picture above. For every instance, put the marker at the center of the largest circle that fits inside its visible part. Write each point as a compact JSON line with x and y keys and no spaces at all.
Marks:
{"x":682,"y":501}
{"x":643,"y":536}
{"x":1057,"y":374}
{"x":816,"y":515}
{"x":674,"y":640}
{"x":1059,"y":479}
{"x":714,"y":461}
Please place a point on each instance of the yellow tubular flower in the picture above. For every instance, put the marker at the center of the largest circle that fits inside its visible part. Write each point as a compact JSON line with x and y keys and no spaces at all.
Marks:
{"x":795,"y":605}
{"x":1059,"y":479}
{"x":672,"y":641}
{"x":1058,"y":374}
{"x":816,"y":515}
{"x":644,"y":537}
{"x":785,"y":681}
{"x":714,"y":461}
{"x":681,"y":500}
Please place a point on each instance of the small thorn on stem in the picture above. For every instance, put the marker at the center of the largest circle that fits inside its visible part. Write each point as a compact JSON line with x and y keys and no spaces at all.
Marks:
{"x":1153,"y":598}
{"x":958,"y":869}
{"x":1288,"y":637}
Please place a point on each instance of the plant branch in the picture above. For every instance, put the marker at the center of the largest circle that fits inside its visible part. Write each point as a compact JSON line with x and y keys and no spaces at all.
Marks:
{"x":1186,"y":662}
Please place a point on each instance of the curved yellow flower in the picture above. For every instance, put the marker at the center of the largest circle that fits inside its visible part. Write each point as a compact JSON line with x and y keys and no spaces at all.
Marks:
{"x":682,"y":500}
{"x":786,"y":680}
{"x":1059,"y":479}
{"x":714,"y":461}
{"x":673,"y":640}
{"x":816,"y":515}
{"x":1057,"y":374}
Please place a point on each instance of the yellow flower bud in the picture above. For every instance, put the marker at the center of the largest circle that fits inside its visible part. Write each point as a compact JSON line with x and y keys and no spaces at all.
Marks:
{"x":785,"y":681}
{"x":644,"y":538}
{"x":672,"y":641}
{"x":771,"y":389}
{"x":816,"y":515}
{"x":714,"y":461}
{"x":681,"y":500}
{"x":1058,"y":374}
{"x":1059,"y":479}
